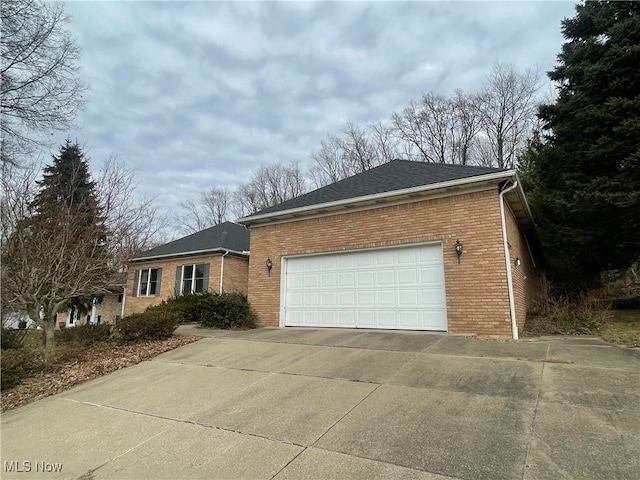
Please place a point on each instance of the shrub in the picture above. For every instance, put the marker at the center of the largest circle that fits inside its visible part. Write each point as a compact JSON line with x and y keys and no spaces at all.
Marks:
{"x":226,"y":310}
{"x":12,"y":337}
{"x":152,"y":324}
{"x":569,"y":315}
{"x":84,"y":334}
{"x":17,"y":363}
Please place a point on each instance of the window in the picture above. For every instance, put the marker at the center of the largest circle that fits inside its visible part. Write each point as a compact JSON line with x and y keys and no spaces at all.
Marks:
{"x":149,"y":281}
{"x":193,"y":278}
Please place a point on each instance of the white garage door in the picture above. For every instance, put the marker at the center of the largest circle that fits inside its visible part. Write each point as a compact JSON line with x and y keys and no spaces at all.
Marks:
{"x":395,"y":288}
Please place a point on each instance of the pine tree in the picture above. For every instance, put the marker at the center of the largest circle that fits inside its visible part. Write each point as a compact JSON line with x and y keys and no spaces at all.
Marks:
{"x":585,"y":178}
{"x":67,"y":184}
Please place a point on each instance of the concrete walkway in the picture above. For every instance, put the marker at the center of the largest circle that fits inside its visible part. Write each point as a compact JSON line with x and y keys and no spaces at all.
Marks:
{"x":313,"y":403}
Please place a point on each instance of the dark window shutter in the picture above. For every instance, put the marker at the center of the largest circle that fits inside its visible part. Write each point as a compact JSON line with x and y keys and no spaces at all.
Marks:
{"x":205,"y":287}
{"x":159,"y":282}
{"x":136,"y":278}
{"x":178,"y":275}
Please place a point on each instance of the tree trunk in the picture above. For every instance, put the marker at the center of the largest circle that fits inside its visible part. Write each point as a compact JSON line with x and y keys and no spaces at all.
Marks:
{"x":49,"y":330}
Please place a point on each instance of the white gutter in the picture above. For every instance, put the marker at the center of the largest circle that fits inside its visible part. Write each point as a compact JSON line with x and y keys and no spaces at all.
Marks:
{"x":507,"y":256}
{"x":192,"y":253}
{"x":381,"y":196}
{"x":222,"y":270}
{"x":124,"y":299}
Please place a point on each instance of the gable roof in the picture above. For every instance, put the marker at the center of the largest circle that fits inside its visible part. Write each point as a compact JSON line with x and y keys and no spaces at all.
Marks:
{"x":225,"y":236}
{"x":393,"y":176}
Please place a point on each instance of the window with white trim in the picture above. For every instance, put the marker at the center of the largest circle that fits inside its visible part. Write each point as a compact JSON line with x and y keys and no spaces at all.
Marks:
{"x":193,"y":278}
{"x":149,"y":279}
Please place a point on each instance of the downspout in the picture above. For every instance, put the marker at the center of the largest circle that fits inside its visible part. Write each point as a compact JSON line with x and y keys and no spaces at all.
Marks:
{"x":507,"y":256}
{"x":222,"y":270}
{"x":124,"y":299}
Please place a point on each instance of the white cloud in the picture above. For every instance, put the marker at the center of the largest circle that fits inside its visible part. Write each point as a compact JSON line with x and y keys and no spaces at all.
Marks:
{"x":202,"y":93}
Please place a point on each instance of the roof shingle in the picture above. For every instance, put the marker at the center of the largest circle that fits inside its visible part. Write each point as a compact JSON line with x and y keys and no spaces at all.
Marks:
{"x":225,"y":236}
{"x":388,"y":177}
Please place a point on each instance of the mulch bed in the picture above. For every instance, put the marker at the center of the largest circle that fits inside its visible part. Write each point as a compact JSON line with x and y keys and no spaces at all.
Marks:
{"x":74,"y":364}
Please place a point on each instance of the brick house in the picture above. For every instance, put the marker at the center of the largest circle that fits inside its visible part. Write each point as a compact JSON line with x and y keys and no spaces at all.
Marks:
{"x":215,"y":259}
{"x":406,"y":245}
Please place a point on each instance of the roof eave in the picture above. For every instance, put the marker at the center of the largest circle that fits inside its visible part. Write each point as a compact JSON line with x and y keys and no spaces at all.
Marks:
{"x":379,"y":198}
{"x":189,"y":254}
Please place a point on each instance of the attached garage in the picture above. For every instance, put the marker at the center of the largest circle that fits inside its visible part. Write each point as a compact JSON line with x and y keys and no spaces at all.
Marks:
{"x":380,"y":250}
{"x":388,"y":288}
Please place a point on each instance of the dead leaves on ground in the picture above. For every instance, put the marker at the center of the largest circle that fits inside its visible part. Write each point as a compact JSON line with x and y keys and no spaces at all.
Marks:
{"x":74,"y":364}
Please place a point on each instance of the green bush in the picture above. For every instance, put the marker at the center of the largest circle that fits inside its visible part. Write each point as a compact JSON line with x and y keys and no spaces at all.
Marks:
{"x":226,"y":310}
{"x":152,"y":324}
{"x":17,"y":363}
{"x":12,"y":337}
{"x":84,"y":334}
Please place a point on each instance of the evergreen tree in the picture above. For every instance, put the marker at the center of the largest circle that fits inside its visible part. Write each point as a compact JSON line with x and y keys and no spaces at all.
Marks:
{"x":67,"y":184}
{"x":584,"y":177}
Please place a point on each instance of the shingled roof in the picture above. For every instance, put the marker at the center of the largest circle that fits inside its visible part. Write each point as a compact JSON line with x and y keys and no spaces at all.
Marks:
{"x":222,"y":237}
{"x":388,"y":177}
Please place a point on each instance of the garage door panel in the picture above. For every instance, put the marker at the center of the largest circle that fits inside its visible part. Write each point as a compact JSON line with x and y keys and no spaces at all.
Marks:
{"x":346,"y":261}
{"x":311,"y":299}
{"x":385,"y":257}
{"x":408,"y":276}
{"x":366,"y":318}
{"x":347,"y":318}
{"x":366,"y":298}
{"x":408,"y":298}
{"x":385,"y":277}
{"x":366,"y":259}
{"x":409,"y":318}
{"x":387,"y":319}
{"x":329,"y":318}
{"x":329,"y":262}
{"x":396,"y":288}
{"x":366,"y":278}
{"x":346,"y":299}
{"x":347,"y":279}
{"x":329,"y":280}
{"x":386,"y":298}
{"x":329,"y":299}
{"x":295,"y":281}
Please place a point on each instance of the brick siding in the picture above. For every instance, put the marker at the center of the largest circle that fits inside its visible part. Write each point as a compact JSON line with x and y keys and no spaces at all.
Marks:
{"x":235,"y":277}
{"x":476,"y":289}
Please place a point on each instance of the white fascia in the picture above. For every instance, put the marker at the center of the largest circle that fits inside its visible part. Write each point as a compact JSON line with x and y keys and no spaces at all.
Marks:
{"x":379,"y":196}
{"x":190,"y":254}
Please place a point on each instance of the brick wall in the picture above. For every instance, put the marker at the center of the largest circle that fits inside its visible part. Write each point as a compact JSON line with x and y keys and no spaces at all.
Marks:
{"x":235,"y":269}
{"x":476,"y":289}
{"x":110,"y":308}
{"x":527,"y":282}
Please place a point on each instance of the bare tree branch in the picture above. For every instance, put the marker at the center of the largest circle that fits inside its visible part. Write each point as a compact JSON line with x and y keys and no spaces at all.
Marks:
{"x":39,"y":86}
{"x":212,"y":208}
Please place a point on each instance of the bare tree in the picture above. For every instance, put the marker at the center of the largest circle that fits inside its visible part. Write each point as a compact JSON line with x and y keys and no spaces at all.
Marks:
{"x":355,"y":150}
{"x":212,"y":208}
{"x":410,"y":129}
{"x":134,"y":222}
{"x":507,"y":107}
{"x":384,"y":142}
{"x":268,"y":186}
{"x":52,"y":255}
{"x":328,"y":162}
{"x":39,"y":87}
{"x":466,"y":126}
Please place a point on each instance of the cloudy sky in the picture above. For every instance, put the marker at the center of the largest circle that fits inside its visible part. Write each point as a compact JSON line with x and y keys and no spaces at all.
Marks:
{"x":196,"y":94}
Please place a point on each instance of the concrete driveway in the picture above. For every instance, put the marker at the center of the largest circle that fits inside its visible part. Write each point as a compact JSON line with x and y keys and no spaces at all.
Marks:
{"x":311,"y":403}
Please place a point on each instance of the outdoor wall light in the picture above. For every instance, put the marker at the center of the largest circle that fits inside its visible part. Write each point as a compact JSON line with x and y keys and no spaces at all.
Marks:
{"x":458,"y":249}
{"x":518,"y":262}
{"x":269,"y":266}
